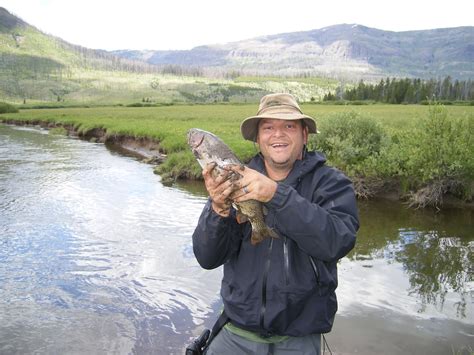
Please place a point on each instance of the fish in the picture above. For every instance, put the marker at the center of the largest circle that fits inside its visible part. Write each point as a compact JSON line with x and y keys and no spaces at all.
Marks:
{"x":209,"y":148}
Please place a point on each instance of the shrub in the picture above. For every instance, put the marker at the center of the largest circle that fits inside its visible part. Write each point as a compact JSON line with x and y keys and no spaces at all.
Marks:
{"x":350,"y":142}
{"x":432,"y":159}
{"x":441,"y":152}
{"x":7,"y":108}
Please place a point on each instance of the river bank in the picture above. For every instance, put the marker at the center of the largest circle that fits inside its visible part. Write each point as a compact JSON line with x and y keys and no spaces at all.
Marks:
{"x":149,"y":151}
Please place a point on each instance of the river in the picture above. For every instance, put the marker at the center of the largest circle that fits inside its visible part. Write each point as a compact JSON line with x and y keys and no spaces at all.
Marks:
{"x":96,"y":258}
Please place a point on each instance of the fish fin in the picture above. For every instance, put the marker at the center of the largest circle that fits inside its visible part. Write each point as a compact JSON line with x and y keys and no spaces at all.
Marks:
{"x":241,"y":218}
{"x":259,"y":236}
{"x":272,"y":233}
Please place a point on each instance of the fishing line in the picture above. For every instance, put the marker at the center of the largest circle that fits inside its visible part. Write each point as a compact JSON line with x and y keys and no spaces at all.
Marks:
{"x":325,"y":344}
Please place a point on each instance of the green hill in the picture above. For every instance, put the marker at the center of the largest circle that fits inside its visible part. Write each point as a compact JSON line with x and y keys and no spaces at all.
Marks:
{"x":37,"y":68}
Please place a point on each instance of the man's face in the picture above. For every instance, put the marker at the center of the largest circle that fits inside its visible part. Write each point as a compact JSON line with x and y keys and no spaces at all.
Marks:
{"x":281,"y":142}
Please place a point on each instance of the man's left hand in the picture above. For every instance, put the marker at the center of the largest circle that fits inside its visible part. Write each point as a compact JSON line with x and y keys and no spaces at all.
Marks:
{"x":253,"y":185}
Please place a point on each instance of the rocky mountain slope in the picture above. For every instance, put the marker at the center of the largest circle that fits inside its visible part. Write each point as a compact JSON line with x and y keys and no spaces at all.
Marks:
{"x":39,"y":68}
{"x":346,"y":50}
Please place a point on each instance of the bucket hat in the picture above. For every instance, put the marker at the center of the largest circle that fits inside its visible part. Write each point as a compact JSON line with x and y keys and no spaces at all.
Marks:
{"x":275,"y":106}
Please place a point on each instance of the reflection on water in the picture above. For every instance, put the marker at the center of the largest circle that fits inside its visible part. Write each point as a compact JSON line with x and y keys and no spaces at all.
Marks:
{"x":436,"y":265}
{"x":95,"y":253}
{"x":96,"y":257}
{"x":432,"y":252}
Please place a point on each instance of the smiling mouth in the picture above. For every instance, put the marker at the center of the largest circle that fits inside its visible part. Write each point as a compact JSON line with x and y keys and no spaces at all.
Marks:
{"x":279,"y":145}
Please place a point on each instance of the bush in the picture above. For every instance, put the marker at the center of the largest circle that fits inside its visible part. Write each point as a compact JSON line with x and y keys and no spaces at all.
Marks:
{"x":441,"y":151}
{"x":7,"y":108}
{"x":140,"y":104}
{"x":433,"y":159}
{"x":351,"y":143}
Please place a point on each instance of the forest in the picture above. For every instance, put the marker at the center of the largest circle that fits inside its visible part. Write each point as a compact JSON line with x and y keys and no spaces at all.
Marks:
{"x":407,"y":91}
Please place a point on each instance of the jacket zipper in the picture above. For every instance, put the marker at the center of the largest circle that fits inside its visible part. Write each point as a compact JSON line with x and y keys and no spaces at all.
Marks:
{"x":264,"y":285}
{"x":286,"y":261}
{"x":316,"y":273}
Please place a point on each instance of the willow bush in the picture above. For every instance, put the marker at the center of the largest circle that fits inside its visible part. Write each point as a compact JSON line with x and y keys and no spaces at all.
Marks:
{"x":350,"y":141}
{"x":437,"y":158}
{"x":430,"y":159}
{"x":7,"y":108}
{"x":353,"y":143}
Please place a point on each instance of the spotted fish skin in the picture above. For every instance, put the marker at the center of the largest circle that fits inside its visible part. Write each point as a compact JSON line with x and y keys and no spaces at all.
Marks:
{"x":208,"y":148}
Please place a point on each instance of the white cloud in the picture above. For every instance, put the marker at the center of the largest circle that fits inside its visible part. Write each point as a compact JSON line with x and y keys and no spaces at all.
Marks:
{"x":183,"y":24}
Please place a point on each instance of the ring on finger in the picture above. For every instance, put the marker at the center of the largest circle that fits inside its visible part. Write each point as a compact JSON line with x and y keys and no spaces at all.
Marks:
{"x":245,"y":189}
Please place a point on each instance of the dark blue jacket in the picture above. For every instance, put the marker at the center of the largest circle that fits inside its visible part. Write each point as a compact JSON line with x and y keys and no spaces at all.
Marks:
{"x":286,"y":285}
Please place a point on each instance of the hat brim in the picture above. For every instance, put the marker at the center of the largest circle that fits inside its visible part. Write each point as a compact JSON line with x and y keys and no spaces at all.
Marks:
{"x":249,"y":126}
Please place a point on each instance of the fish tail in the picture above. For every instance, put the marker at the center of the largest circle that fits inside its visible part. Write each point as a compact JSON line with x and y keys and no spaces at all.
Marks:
{"x":258,"y":235}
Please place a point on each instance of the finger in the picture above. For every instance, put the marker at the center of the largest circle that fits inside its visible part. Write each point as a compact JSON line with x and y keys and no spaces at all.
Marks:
{"x":208,"y":168}
{"x":236,"y":168}
{"x":241,"y":194}
{"x":214,"y":177}
{"x":225,"y":194}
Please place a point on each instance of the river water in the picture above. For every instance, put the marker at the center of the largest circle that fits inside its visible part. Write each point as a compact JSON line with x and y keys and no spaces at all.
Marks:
{"x":96,"y":258}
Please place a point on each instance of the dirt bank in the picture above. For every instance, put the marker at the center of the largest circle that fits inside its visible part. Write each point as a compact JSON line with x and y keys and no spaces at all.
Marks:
{"x":145,"y":148}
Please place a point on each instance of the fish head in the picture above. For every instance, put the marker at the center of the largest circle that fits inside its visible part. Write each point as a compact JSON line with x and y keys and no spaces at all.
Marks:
{"x":208,"y":148}
{"x":195,"y":139}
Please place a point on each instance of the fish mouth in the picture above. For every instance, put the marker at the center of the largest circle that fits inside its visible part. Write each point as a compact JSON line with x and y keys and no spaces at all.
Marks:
{"x":200,"y":140}
{"x":195,"y":139}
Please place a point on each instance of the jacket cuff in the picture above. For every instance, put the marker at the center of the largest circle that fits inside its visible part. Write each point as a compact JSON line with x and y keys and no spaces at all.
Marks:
{"x":279,"y":198}
{"x":216,"y":218}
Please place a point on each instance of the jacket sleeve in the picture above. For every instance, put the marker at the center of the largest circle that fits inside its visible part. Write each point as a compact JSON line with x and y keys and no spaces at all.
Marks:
{"x":323,"y":225}
{"x":215,"y":238}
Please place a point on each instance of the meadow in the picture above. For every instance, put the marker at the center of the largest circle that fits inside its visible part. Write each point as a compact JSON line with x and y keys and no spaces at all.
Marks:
{"x":424,"y":152}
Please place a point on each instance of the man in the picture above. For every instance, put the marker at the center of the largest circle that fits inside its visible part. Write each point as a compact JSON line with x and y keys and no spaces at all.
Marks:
{"x":279,"y":295}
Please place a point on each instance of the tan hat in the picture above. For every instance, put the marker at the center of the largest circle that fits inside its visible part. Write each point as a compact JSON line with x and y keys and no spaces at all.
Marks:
{"x":276,"y":106}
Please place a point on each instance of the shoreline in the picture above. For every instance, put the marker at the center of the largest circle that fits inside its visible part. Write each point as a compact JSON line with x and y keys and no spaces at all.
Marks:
{"x":149,"y":152}
{"x":147,"y":149}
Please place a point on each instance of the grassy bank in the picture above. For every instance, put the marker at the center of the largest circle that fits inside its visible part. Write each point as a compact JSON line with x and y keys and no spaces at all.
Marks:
{"x":422,"y":152}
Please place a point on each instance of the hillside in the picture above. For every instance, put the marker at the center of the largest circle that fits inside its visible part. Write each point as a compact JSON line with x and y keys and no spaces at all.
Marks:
{"x":34,"y":65}
{"x":340,"y":51}
{"x":37,"y":68}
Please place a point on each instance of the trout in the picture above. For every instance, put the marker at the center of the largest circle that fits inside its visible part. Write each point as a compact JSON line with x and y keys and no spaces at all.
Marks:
{"x":208,"y":148}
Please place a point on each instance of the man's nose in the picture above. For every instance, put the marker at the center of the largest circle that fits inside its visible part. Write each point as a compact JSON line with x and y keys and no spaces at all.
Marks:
{"x":278,"y":132}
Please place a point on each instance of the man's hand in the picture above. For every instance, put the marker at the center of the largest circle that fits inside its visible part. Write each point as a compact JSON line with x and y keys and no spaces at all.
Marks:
{"x":252,"y":185}
{"x":219,"y":187}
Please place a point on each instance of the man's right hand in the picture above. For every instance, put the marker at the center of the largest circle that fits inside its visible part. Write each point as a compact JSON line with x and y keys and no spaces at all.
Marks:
{"x":219,"y":187}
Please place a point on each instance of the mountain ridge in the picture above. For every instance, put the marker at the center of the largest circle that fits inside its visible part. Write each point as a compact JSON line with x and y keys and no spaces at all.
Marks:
{"x":338,"y":50}
{"x":344,"y":51}
{"x":39,"y":67}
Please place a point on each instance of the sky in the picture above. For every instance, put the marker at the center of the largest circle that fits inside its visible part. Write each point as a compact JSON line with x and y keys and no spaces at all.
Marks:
{"x":184,"y":24}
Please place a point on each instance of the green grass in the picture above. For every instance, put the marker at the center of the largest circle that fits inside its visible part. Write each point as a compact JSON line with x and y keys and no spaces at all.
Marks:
{"x":370,"y":141}
{"x":169,"y":124}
